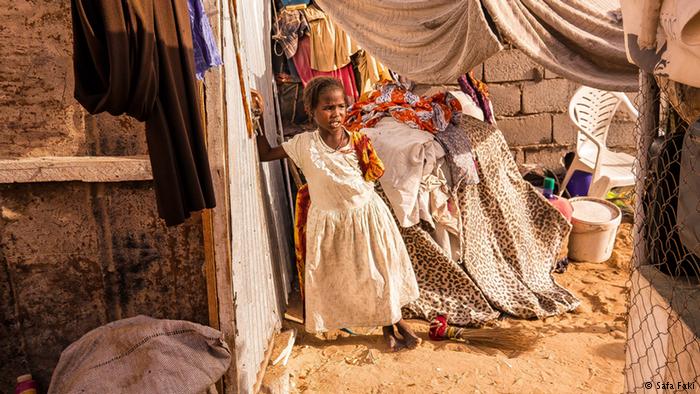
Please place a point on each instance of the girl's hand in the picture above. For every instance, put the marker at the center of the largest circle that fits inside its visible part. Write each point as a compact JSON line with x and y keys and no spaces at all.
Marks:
{"x":258,"y":102}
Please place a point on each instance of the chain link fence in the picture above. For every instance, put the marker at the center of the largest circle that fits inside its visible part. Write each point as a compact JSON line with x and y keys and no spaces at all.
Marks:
{"x":663,"y":350}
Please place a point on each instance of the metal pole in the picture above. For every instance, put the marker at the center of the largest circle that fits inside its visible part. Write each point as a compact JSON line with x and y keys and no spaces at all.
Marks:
{"x":648,"y":128}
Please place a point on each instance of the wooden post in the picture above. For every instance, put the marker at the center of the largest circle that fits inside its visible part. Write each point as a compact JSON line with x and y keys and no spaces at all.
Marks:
{"x":216,"y":222}
{"x":648,"y":125}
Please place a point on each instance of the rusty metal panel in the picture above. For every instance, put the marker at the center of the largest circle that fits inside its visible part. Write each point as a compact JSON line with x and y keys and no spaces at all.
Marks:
{"x":260,"y":219}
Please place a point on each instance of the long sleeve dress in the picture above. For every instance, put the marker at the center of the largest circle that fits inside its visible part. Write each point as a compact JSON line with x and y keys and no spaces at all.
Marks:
{"x":358,"y":272}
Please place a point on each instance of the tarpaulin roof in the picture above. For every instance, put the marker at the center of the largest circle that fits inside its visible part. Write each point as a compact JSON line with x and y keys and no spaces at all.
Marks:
{"x":435,"y":41}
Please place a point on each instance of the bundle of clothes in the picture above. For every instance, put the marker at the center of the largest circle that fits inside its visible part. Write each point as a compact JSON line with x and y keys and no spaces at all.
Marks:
{"x":482,"y":240}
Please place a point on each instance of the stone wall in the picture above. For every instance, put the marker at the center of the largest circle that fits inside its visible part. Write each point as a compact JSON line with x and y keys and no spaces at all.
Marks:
{"x":531,"y":104}
{"x":74,"y":256}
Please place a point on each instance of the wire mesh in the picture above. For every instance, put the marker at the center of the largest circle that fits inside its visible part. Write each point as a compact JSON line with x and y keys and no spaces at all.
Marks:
{"x":663,"y":351}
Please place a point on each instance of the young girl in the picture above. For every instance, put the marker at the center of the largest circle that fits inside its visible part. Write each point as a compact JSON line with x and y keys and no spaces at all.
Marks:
{"x":357,"y":272}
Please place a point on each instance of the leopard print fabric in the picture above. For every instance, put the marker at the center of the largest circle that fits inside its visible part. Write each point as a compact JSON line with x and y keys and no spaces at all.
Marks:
{"x":510,"y":240}
{"x":511,"y":234}
{"x":445,"y":289}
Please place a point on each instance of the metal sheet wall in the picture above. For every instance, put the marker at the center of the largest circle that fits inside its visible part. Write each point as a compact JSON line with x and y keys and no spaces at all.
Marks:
{"x":260,"y":220}
{"x":255,"y":25}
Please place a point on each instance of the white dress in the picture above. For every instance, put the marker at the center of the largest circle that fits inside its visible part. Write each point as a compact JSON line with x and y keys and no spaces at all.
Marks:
{"x":358,"y":272}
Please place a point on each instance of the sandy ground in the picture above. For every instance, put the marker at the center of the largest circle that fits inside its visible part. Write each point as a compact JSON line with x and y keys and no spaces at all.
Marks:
{"x":579,"y":352}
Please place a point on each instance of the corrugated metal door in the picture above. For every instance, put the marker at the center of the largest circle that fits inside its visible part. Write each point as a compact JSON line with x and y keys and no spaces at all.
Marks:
{"x":260,"y":220}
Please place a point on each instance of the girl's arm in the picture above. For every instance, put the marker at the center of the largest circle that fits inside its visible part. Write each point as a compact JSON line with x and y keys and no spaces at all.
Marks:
{"x":268,"y":153}
{"x":265,"y":151}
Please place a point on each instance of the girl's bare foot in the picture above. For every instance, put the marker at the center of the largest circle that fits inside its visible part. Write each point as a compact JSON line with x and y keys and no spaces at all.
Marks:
{"x":390,"y":338}
{"x":412,"y":340}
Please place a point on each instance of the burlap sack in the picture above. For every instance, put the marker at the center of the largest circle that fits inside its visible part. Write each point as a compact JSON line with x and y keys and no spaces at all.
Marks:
{"x":143,"y":355}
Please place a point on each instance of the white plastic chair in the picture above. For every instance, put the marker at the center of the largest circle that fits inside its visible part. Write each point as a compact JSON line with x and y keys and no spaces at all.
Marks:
{"x":592,"y":111}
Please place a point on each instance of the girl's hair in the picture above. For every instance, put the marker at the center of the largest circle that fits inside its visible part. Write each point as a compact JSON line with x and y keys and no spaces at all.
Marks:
{"x":314,"y":88}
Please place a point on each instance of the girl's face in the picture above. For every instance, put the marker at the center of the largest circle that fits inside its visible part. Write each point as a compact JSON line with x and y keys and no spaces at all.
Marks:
{"x":330,"y":112}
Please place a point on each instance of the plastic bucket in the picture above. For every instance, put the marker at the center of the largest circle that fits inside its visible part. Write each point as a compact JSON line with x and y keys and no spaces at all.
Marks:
{"x":595,"y":222}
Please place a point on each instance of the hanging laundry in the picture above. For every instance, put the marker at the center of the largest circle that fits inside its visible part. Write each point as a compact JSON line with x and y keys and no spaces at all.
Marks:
{"x":431,"y":114}
{"x":135,"y":57}
{"x":302,"y":64}
{"x":371,"y":71}
{"x":206,"y":53}
{"x":479,"y":92}
{"x":331,"y":47}
{"x":289,"y":26}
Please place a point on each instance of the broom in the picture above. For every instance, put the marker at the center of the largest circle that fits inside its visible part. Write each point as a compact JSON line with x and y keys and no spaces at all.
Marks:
{"x":507,"y":339}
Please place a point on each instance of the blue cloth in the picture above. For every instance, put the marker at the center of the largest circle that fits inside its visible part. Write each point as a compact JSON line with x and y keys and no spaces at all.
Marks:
{"x":206,"y":53}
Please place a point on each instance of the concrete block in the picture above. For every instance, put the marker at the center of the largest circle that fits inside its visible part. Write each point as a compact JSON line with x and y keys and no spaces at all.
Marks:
{"x":118,"y":135}
{"x":505,"y":98}
{"x":511,"y":65}
{"x":550,"y":157}
{"x":11,"y":351}
{"x":526,"y":130}
{"x":479,"y":71}
{"x":550,"y":74}
{"x":518,"y":155}
{"x":551,"y":95}
{"x":621,"y":135}
{"x":563,"y":129}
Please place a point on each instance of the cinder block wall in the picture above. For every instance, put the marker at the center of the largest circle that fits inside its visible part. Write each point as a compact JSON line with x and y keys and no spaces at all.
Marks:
{"x":531,"y":106}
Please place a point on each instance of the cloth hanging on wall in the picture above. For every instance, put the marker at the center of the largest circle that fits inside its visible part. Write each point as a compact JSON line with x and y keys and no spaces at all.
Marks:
{"x":206,"y":53}
{"x":130,"y":59}
{"x":289,"y":27}
{"x":688,"y":216}
{"x":302,"y":65}
{"x":371,"y":71}
{"x":436,"y":41}
{"x":428,"y":41}
{"x":331,"y":47}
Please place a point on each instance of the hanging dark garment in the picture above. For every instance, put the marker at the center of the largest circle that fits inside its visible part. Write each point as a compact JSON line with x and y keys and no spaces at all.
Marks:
{"x":130,"y":57}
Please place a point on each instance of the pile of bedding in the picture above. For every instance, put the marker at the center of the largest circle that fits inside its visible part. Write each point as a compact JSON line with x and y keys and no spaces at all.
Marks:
{"x":482,"y":240}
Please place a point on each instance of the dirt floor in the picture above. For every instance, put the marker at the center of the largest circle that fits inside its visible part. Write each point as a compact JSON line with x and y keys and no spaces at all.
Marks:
{"x":578,"y":352}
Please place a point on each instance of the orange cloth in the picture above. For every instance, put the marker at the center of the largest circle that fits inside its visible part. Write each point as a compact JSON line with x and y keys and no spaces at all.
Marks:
{"x":431,"y":114}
